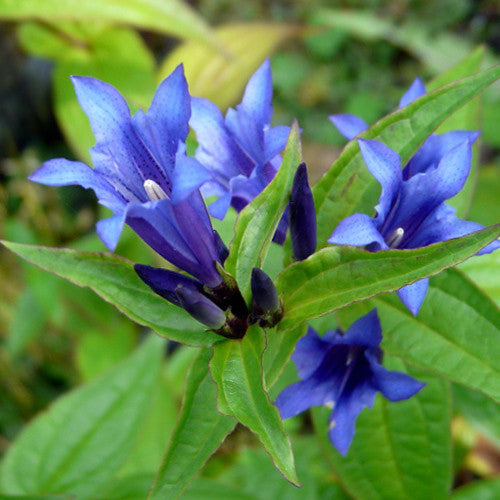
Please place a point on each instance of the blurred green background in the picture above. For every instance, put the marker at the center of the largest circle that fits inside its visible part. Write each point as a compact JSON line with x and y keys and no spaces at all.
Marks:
{"x":348,"y":56}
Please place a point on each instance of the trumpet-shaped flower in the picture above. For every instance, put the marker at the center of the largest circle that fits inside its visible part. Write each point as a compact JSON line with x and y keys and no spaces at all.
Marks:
{"x":241,"y":151}
{"x":411,"y":212}
{"x":343,"y":372}
{"x":141,"y":173}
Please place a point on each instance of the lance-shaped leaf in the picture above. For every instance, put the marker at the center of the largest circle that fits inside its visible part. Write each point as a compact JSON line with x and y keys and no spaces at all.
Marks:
{"x":400,"y":450}
{"x":455,"y":334}
{"x":337,"y":276}
{"x":236,"y":367}
{"x":257,"y":222}
{"x":174,"y":17}
{"x":348,"y":187}
{"x":98,"y":421}
{"x":199,"y":432}
{"x":114,"y":279}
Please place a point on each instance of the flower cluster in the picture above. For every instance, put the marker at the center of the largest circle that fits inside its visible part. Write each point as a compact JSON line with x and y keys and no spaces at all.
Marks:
{"x":144,"y":176}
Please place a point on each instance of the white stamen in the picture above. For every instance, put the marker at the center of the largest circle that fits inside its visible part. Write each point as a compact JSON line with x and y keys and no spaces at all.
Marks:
{"x":154,"y":190}
{"x":395,"y":238}
{"x":330,"y":404}
{"x":332,"y":425}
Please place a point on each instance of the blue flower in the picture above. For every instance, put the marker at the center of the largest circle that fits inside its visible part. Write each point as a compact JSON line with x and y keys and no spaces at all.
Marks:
{"x":141,"y":172}
{"x":240,"y":151}
{"x":411,"y":212}
{"x":343,"y":372}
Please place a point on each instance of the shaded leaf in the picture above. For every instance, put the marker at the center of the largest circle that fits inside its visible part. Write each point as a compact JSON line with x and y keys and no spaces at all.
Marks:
{"x":98,"y":422}
{"x":173,"y":17}
{"x":221,"y":76}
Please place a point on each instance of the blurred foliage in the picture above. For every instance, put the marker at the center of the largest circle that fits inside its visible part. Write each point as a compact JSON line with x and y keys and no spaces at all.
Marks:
{"x":347,"y":56}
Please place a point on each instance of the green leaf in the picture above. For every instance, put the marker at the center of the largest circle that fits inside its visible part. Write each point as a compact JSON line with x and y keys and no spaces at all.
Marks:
{"x":97,"y":350}
{"x":484,"y":271}
{"x":198,"y":434}
{"x":114,"y":279}
{"x":481,"y":412}
{"x":206,"y":489}
{"x":348,"y":187}
{"x":454,"y":335}
{"x":236,"y":367}
{"x":257,"y":222}
{"x":221,"y":76}
{"x":280,"y":347}
{"x":27,"y":324}
{"x":337,"y":276}
{"x":400,"y":450}
{"x":173,"y":17}
{"x":85,"y":434}
{"x":134,"y":487}
{"x":36,"y":497}
{"x":478,"y":490}
{"x":252,"y":473}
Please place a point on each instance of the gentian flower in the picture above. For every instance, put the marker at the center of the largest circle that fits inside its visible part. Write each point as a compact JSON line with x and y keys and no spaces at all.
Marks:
{"x":343,"y":372}
{"x":141,"y":172}
{"x":411,"y":212}
{"x":241,"y":151}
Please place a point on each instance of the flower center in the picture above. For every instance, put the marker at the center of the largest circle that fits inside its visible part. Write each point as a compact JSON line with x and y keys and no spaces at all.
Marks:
{"x":154,"y":190}
{"x":395,"y":238}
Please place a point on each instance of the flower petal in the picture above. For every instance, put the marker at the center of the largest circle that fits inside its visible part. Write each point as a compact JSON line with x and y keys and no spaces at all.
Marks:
{"x":423,"y":193}
{"x":348,"y":125}
{"x":274,"y":141}
{"x":443,"y":224}
{"x":188,"y":176}
{"x":169,"y":113}
{"x":416,"y":90}
{"x":109,"y":230}
{"x":346,"y":411}
{"x":357,"y":230}
{"x":385,"y":165}
{"x":435,"y":148}
{"x":309,"y":353}
{"x":413,"y":295}
{"x":365,"y":331}
{"x":217,"y":149}
{"x":258,"y":94}
{"x":61,"y":172}
{"x":395,"y":386}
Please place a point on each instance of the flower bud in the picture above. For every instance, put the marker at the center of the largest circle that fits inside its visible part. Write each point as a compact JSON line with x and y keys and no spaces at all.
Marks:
{"x":302,"y":216}
{"x":264,"y":292}
{"x":200,"y":307}
{"x":267,"y":309}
